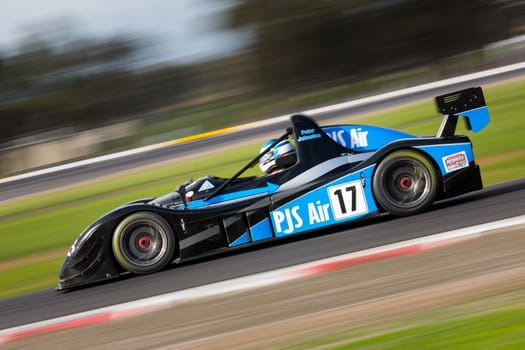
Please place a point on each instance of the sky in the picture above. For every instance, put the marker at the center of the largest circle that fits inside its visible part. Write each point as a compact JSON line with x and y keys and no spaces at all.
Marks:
{"x":184,"y":30}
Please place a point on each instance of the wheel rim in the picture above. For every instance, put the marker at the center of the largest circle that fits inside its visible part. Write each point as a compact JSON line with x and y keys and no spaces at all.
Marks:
{"x":407,"y":183}
{"x":144,"y":243}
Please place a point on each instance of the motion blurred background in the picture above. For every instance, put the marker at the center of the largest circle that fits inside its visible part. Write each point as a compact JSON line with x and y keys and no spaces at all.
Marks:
{"x":84,"y":78}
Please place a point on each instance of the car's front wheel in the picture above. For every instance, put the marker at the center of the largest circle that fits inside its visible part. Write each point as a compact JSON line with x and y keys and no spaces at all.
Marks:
{"x":143,"y":243}
{"x":405,"y":183}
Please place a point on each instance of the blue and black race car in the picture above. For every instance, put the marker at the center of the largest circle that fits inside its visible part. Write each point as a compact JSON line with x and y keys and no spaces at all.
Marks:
{"x":317,"y":177}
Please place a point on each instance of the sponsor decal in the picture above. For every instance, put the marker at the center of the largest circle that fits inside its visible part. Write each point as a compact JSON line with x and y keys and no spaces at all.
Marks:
{"x":206,"y":186}
{"x":357,"y":136}
{"x":287,"y":220}
{"x":347,"y":200}
{"x":344,"y":201}
{"x":308,"y":134}
{"x":338,"y":136}
{"x":455,"y":161}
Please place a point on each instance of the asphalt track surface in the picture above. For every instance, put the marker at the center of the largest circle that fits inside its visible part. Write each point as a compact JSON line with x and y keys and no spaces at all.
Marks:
{"x":493,"y":203}
{"x":90,"y":172}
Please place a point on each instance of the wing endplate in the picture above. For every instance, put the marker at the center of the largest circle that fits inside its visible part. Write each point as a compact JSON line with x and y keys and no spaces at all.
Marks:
{"x":468,"y":103}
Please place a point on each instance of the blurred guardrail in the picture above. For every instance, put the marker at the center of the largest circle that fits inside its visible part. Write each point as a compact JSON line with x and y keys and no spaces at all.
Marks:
{"x":254,"y":125}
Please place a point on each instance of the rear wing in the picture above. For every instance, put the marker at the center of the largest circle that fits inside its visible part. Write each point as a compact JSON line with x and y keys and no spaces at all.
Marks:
{"x":468,"y":103}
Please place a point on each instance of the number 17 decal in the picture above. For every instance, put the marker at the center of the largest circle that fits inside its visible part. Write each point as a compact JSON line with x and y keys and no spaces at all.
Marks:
{"x":347,"y":200}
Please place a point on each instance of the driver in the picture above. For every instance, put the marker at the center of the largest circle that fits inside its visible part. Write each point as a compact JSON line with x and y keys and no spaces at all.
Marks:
{"x":278,"y":158}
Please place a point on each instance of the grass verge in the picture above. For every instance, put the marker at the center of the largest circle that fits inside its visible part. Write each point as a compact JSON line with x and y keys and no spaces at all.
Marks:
{"x":495,"y":327}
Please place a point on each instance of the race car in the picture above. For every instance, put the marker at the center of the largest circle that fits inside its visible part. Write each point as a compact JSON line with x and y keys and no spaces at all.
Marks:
{"x":333,"y":175}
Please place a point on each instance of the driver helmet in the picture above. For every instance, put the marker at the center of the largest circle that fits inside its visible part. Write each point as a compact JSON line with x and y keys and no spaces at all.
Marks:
{"x":279,"y":157}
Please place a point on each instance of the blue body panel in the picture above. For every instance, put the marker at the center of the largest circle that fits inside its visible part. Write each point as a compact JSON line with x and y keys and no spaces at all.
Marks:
{"x":349,"y":197}
{"x":345,"y":199}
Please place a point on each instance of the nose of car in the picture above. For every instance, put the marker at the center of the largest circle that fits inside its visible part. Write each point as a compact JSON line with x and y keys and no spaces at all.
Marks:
{"x":82,"y":257}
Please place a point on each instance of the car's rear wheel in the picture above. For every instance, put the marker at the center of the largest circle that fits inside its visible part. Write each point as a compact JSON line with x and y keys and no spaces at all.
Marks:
{"x":143,"y":243}
{"x":405,"y":183}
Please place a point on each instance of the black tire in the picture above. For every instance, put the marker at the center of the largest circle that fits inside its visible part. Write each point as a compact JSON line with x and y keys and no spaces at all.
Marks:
{"x":143,"y":243}
{"x":405,"y":183}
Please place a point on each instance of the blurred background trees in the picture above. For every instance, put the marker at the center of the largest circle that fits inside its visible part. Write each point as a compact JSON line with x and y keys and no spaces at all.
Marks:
{"x":294,"y":46}
{"x":84,"y":82}
{"x":298,"y":42}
